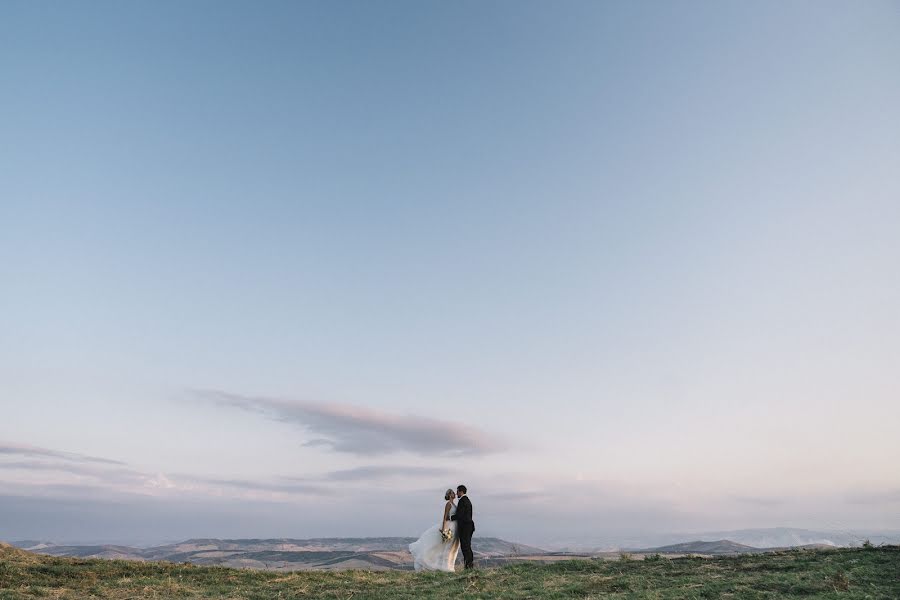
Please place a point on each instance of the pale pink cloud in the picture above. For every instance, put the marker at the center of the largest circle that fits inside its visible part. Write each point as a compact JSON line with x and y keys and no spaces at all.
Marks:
{"x":360,"y":430}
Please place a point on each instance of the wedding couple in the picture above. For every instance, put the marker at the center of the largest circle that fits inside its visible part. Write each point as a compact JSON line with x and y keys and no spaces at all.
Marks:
{"x":436,"y":549}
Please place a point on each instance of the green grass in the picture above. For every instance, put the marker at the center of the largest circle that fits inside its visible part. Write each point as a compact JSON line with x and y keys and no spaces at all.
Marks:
{"x":845,"y":574}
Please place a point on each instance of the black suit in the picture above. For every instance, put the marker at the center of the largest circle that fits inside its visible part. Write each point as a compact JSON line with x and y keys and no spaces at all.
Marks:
{"x":465,"y":527}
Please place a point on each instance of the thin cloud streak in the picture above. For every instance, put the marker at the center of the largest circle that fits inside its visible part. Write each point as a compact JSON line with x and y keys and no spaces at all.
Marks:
{"x":47,"y":470}
{"x":358,"y":430}
{"x":98,"y":472}
{"x":7,"y":448}
{"x":263,"y":486}
{"x":375,"y":473}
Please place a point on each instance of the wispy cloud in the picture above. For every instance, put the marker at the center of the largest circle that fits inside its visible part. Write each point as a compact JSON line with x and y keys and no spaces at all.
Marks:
{"x":359,"y":430}
{"x":374,"y":473}
{"x":61,"y":466}
{"x":289,"y":487}
{"x":33,"y":469}
{"x":30,"y":467}
{"x":7,"y":448}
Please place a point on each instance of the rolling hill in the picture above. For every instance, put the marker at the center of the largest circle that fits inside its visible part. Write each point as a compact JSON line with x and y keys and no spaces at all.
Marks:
{"x":701,"y":547}
{"x":388,"y":553}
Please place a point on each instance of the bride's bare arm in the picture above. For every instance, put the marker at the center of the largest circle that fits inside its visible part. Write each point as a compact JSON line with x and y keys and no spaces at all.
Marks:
{"x":446,"y":513}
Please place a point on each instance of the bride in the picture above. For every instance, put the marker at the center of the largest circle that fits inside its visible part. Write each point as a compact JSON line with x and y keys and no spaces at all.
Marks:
{"x":432,"y":552}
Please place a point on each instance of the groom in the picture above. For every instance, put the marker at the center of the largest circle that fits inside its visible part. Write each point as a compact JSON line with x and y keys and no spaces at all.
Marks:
{"x":465,"y":526}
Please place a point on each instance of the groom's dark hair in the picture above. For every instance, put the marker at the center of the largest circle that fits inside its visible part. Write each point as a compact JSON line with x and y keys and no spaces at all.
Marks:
{"x":462,"y":488}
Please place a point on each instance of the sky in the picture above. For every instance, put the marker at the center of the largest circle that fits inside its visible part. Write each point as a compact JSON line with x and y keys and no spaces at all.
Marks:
{"x":292,"y":269}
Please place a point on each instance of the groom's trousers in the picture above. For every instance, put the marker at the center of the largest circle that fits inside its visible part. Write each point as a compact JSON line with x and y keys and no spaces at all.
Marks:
{"x":465,"y":531}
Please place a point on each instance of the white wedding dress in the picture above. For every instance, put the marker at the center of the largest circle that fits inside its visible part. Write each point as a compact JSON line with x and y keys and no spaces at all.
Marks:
{"x":431,"y":553}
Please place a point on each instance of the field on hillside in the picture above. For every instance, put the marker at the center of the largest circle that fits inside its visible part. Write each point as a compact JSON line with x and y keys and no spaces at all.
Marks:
{"x":844,"y":574}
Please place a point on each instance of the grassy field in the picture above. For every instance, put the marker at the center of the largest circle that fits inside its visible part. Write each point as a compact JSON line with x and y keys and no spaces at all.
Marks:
{"x":844,"y":573}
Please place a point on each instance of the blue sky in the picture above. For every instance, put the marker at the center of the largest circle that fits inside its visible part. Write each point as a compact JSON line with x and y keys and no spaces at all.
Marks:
{"x":614,"y":265}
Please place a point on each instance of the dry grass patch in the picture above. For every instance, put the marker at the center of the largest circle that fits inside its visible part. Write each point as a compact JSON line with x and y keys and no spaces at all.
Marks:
{"x":840,"y":574}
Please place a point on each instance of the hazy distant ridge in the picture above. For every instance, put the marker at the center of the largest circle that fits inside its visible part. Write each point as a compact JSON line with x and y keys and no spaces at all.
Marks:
{"x":700,"y":547}
{"x":773,"y":537}
{"x":279,"y":554}
{"x":381,"y":553}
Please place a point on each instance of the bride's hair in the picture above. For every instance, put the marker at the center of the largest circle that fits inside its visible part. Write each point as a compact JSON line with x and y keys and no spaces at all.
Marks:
{"x":448,"y":493}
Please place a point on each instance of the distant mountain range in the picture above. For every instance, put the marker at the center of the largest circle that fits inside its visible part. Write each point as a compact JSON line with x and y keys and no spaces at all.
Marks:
{"x":700,"y":547}
{"x":388,"y":553}
{"x":775,"y":537}
{"x":391,"y":553}
{"x":720,"y":547}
